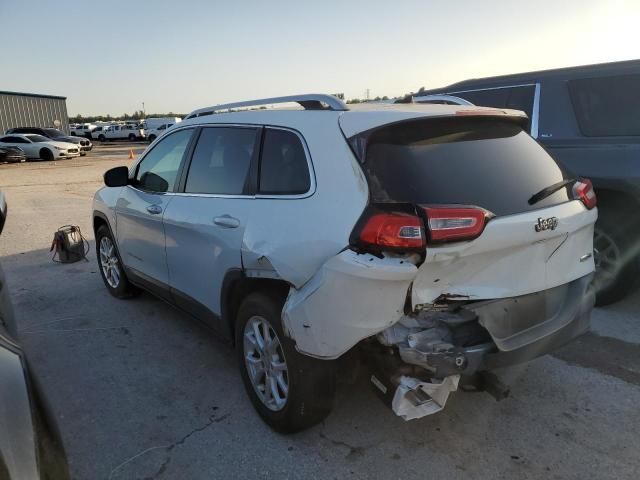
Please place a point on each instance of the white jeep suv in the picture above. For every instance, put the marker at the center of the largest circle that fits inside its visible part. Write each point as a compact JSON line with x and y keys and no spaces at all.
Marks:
{"x":435,"y":242}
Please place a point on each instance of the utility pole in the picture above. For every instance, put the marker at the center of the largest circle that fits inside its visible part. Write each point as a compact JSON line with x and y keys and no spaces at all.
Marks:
{"x":367,"y":94}
{"x":144,"y":112}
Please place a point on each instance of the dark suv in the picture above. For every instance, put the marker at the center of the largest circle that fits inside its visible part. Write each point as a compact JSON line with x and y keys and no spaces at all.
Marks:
{"x":588,"y":118}
{"x":84,"y":144}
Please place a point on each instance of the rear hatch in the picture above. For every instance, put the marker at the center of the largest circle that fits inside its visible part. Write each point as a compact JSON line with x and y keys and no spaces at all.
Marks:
{"x":472,"y":181}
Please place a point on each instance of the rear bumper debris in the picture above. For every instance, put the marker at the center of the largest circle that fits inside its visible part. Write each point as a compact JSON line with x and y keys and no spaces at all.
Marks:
{"x":473,"y":339}
{"x":416,"y":399}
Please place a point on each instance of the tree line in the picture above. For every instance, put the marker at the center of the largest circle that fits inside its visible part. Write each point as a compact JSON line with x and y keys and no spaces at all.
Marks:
{"x":137,"y":115}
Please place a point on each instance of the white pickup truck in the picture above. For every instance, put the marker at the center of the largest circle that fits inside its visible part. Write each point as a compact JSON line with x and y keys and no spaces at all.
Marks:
{"x":121,"y":132}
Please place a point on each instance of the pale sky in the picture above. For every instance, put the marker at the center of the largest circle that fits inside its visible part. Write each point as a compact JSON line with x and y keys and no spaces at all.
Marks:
{"x":107,"y":57}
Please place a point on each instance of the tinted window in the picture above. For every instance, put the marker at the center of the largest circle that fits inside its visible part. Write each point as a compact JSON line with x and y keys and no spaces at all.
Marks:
{"x":283,"y":165}
{"x":221,"y":161}
{"x":484,"y":162}
{"x":13,"y":140}
{"x":517,"y":98}
{"x":159,"y":168}
{"x":36,"y":138}
{"x":52,"y":133}
{"x":496,"y":97}
{"x":607,"y":106}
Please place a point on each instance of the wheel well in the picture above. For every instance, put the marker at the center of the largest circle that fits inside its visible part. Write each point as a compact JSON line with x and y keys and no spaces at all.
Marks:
{"x":98,"y":222}
{"x":236,"y":287}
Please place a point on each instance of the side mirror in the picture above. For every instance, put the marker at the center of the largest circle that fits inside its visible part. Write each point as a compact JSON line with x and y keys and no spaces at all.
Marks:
{"x":116,"y":177}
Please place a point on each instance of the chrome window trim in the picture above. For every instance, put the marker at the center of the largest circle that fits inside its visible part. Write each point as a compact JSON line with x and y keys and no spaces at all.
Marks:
{"x":312,"y":175}
{"x":535,"y":113}
{"x":535,"y":109}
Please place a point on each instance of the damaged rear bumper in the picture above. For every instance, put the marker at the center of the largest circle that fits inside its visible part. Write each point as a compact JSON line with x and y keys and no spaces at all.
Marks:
{"x":519,"y":329}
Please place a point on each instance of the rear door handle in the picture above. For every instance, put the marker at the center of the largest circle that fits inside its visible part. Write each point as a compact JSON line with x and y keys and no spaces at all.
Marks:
{"x":154,"y":209}
{"x":226,"y":221}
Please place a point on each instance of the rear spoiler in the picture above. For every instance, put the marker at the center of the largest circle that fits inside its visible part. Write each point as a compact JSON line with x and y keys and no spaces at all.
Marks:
{"x":358,"y":142}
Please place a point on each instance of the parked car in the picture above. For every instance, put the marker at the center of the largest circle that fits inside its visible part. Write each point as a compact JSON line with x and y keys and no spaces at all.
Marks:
{"x":30,"y":445}
{"x":39,"y":147}
{"x":587,"y":118}
{"x":154,"y":123}
{"x":154,"y":133}
{"x":83,"y":130}
{"x":384,"y":231}
{"x":11,"y":154}
{"x":84,"y":144}
{"x":99,"y":131}
{"x":120,"y":132}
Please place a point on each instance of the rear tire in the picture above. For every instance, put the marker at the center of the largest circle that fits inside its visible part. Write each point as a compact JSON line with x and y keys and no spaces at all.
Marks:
{"x":46,"y":154}
{"x":151,"y":138}
{"x":617,"y":263}
{"x":111,"y":267}
{"x":310,"y":383}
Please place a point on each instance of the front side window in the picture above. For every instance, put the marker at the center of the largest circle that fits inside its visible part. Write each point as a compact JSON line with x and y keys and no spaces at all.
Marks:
{"x":283,"y":164}
{"x":607,"y":106}
{"x":158,"y":170}
{"x":221,"y":161}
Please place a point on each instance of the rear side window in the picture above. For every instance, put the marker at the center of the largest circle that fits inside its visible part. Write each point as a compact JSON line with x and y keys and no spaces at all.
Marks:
{"x":517,"y":98}
{"x":221,"y":161}
{"x":484,"y":162}
{"x":607,"y":106}
{"x":283,"y":166}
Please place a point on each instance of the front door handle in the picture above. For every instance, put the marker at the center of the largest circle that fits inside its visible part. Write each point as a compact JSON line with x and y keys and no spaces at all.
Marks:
{"x":226,"y":221}
{"x":154,"y":209}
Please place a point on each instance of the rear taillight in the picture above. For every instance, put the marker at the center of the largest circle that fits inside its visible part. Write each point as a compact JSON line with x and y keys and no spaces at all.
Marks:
{"x":583,"y":190}
{"x":451,"y":224}
{"x":393,"y":230}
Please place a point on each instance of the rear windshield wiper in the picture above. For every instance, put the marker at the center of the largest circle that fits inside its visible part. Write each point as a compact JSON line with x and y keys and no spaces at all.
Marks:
{"x":550,"y":190}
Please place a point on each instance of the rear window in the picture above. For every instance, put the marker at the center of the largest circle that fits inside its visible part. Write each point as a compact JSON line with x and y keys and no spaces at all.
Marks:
{"x":484,"y":162}
{"x":607,"y":106}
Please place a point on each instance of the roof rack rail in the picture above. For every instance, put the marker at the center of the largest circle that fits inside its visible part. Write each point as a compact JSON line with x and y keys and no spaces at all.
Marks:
{"x":311,"y":101}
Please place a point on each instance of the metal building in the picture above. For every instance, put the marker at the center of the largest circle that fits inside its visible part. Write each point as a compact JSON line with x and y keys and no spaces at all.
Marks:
{"x":32,"y":110}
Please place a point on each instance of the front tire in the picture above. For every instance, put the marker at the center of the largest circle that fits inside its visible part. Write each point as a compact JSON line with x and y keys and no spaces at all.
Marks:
{"x":289,"y":391}
{"x":101,"y":138}
{"x":110,"y":264}
{"x":46,"y":154}
{"x":132,"y":137}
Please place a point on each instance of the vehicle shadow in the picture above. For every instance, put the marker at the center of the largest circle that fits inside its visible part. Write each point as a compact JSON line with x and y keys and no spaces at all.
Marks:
{"x":140,"y":390}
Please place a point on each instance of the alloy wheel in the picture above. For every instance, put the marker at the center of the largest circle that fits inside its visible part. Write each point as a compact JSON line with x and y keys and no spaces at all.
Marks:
{"x":607,"y":258}
{"x":109,"y":262}
{"x":265,"y":363}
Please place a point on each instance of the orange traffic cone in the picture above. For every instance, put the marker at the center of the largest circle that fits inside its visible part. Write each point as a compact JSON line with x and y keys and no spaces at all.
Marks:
{"x":131,"y":154}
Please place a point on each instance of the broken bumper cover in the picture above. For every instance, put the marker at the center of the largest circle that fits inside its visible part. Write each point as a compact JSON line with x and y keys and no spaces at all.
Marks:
{"x":521,"y":328}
